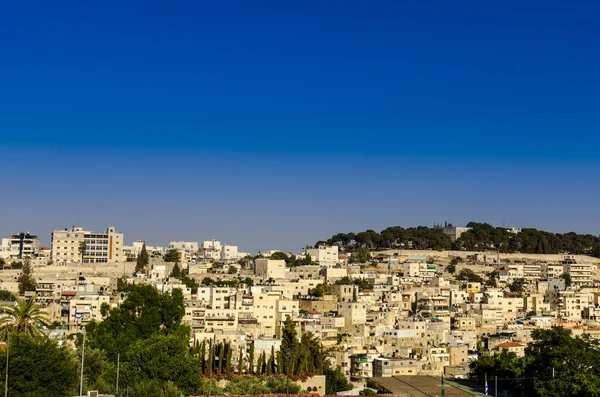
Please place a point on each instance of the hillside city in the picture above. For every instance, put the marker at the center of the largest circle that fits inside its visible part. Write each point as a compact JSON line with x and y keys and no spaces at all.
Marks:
{"x":375,"y":309}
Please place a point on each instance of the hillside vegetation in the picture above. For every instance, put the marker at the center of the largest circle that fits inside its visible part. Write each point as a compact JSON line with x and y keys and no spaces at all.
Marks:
{"x":482,"y":237}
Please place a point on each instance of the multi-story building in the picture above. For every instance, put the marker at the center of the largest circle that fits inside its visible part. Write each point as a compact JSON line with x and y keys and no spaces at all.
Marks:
{"x":270,"y":268}
{"x":210,"y":250}
{"x":187,"y":250}
{"x":324,"y":255}
{"x":99,"y":247}
{"x":229,"y":253}
{"x":394,"y":366}
{"x":24,"y":245}
{"x":581,"y":273}
{"x":455,"y":232}
{"x":132,"y":251}
{"x":86,"y":306}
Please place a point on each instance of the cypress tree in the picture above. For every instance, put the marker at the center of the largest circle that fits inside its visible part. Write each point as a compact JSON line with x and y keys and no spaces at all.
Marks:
{"x":279,"y":362}
{"x":211,"y":357}
{"x":228,"y":361}
{"x":271,"y":363}
{"x":263,"y":366}
{"x":203,"y":357}
{"x":176,"y":272}
{"x":221,"y":357}
{"x":142,"y":260}
{"x":241,"y":361}
{"x":289,"y":344}
{"x":259,"y":365}
{"x":251,"y":359}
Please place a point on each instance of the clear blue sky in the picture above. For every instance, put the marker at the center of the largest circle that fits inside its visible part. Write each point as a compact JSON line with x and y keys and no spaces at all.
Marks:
{"x":272,"y":125}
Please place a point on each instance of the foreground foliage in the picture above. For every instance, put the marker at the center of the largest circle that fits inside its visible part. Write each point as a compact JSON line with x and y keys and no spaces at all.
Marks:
{"x":556,"y":364}
{"x":39,"y":367}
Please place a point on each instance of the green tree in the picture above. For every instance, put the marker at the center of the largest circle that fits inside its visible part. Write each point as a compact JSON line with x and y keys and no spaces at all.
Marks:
{"x":123,"y":285}
{"x":255,"y":385}
{"x":319,"y":290}
{"x":505,"y":365}
{"x":38,"y":367}
{"x":573,"y":360}
{"x":171,"y":256}
{"x":154,"y":388}
{"x":176,"y":272}
{"x":567,"y":278}
{"x":145,"y":311}
{"x":361,"y":255}
{"x":518,"y":285}
{"x":470,"y":276}
{"x":5,"y":295}
{"x":251,"y":358}
{"x":164,"y":358}
{"x":191,"y":283}
{"x":367,"y":392}
{"x":451,"y":268}
{"x":289,"y":345}
{"x":280,"y":255}
{"x":25,"y":279}
{"x":335,"y":381}
{"x":82,"y":247}
{"x":492,"y":279}
{"x":142,"y":260}
{"x":95,"y":366}
{"x":23,"y":318}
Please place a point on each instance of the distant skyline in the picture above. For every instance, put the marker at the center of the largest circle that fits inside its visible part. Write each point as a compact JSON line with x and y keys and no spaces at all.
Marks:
{"x":272,"y":125}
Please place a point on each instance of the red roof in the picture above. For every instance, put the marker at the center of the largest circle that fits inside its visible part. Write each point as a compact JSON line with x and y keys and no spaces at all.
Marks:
{"x":510,"y":344}
{"x":69,"y":293}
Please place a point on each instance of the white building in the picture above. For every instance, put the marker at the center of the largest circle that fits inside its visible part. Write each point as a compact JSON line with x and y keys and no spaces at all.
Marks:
{"x":324,"y":255}
{"x":99,"y":247}
{"x":270,"y":268}
{"x":21,"y":245}
{"x":229,"y":253}
{"x":188,"y":250}
{"x":210,"y":250}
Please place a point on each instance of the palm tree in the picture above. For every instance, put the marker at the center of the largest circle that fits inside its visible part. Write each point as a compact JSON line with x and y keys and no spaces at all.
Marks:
{"x":82,"y":248}
{"x":22,"y":318}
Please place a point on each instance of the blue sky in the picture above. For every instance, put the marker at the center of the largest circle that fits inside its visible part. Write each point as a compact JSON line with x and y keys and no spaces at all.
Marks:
{"x":272,"y":125}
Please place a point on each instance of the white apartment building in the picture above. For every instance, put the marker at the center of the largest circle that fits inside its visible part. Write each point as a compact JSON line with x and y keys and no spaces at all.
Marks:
{"x":552,"y":270}
{"x":324,"y":255}
{"x":229,"y":253}
{"x":86,"y":306}
{"x":270,"y":268}
{"x":581,"y":273}
{"x":188,"y":250}
{"x":21,"y":245}
{"x":133,"y":250}
{"x":210,"y":250}
{"x":99,"y":247}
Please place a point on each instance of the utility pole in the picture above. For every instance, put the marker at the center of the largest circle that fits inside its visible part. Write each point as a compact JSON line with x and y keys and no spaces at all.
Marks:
{"x":496,"y":386}
{"x":7,"y":351}
{"x":211,"y":359}
{"x":82,"y":361}
{"x":6,"y":378}
{"x":118,"y":362}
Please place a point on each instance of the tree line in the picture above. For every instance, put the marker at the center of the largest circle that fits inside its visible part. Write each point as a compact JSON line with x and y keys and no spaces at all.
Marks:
{"x":481,"y":237}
